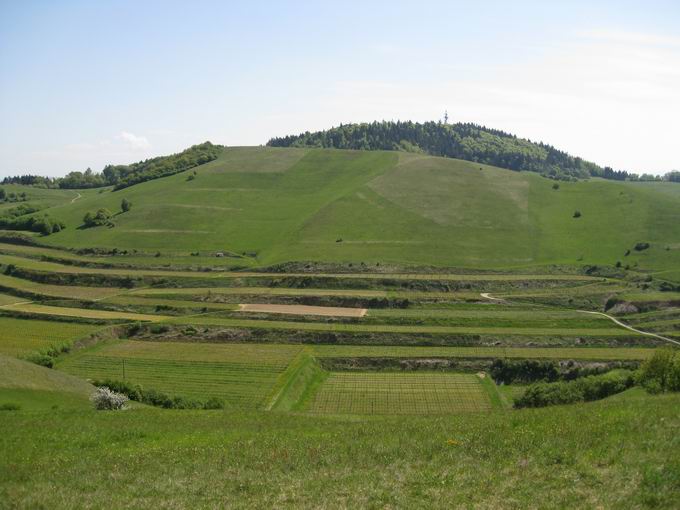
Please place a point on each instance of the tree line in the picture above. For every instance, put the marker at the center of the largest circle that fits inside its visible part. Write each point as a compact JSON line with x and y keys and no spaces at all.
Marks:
{"x":122,"y":176}
{"x":466,"y":141}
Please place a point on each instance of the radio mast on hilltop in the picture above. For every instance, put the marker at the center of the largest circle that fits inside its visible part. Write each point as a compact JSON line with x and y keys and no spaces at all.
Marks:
{"x":446,"y":116}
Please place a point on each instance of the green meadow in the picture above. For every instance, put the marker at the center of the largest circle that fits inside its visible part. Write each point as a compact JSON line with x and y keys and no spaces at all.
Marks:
{"x":418,"y":299}
{"x":272,"y":205}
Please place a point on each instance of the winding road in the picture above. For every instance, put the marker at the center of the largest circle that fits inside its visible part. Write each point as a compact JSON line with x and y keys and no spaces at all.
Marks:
{"x":486,"y":295}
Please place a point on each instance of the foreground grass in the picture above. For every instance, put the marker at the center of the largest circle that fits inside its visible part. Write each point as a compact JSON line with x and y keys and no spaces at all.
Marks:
{"x":618,"y":454}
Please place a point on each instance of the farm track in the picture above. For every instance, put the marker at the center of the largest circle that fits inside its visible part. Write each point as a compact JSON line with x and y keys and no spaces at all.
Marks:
{"x":611,"y":318}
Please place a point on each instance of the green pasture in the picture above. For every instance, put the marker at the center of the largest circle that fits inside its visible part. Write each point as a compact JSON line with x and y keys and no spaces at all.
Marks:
{"x":243,"y":375}
{"x":383,"y":208}
{"x":19,"y":337}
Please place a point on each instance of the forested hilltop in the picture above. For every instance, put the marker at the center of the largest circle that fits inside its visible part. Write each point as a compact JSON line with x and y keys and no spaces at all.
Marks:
{"x":122,"y":176}
{"x":463,"y":141}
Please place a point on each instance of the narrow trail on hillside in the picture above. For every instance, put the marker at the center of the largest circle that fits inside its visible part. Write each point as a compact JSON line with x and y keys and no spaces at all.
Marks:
{"x":486,"y":295}
{"x":77,"y":197}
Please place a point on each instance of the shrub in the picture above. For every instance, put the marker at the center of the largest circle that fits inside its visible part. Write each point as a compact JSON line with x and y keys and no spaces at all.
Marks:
{"x":577,"y":214}
{"x":555,"y":186}
{"x":661,"y":372}
{"x":9,"y":406}
{"x":131,"y":391}
{"x":125,"y":205}
{"x":156,"y":398}
{"x":104,"y":399}
{"x":100,"y":218}
{"x":158,"y":329}
{"x":523,"y":371}
{"x":594,"y":387}
{"x":214,"y":403}
{"x":641,"y":246}
{"x":44,"y":360}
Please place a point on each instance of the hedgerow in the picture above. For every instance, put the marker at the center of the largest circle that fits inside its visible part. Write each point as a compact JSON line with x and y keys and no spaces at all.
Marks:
{"x":587,"y":389}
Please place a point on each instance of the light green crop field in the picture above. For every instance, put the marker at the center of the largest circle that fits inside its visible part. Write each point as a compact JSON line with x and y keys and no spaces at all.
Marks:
{"x":564,"y":353}
{"x":62,"y":291}
{"x":85,"y":313}
{"x":243,"y":375}
{"x":204,"y":293}
{"x":22,"y":336}
{"x":390,"y":328}
{"x":420,"y":210}
{"x":406,"y":393}
{"x":6,"y":299}
{"x":127,"y":299}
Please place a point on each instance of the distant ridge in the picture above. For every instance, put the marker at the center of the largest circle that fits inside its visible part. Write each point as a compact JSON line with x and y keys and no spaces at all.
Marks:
{"x":466,"y":141}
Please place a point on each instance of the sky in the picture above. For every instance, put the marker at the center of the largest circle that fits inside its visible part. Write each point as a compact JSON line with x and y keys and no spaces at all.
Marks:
{"x":84,"y":84}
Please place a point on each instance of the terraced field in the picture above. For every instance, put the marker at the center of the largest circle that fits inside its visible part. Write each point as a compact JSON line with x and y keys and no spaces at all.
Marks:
{"x":563,"y":353}
{"x":242,"y":375}
{"x":390,"y":328}
{"x":19,"y":337}
{"x":400,"y":316}
{"x":84,"y":313}
{"x":364,"y":393}
{"x":21,"y":285}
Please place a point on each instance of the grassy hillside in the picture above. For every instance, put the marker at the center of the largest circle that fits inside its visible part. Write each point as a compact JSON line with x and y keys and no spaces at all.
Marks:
{"x":29,"y":387}
{"x":276,"y":205}
{"x":618,"y":454}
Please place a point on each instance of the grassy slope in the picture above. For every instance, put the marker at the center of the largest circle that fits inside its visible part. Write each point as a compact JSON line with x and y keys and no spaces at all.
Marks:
{"x":20,"y":374}
{"x":618,"y":454}
{"x":288,"y":204}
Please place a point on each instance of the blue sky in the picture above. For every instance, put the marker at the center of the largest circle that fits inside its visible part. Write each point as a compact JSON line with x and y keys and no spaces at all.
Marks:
{"x":83,"y":84}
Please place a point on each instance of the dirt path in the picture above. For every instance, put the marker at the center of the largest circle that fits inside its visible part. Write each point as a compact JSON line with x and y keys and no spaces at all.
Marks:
{"x":329,"y":311}
{"x":77,"y":197}
{"x":616,"y":321}
{"x":486,"y":295}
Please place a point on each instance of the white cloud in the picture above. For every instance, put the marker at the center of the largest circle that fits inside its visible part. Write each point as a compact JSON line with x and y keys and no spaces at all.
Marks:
{"x":628,"y":37}
{"x":134,"y":141}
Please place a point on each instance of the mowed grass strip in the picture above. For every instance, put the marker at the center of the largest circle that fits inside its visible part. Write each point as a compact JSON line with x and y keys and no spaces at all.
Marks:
{"x":84,"y":313}
{"x":390,"y":328}
{"x":327,"y":311}
{"x":576,"y":353}
{"x":172,"y":303}
{"x":263,"y":354}
{"x":404,"y":393}
{"x":19,"y":337}
{"x":6,"y":299}
{"x":61,"y":291}
{"x":42,"y":265}
{"x":242,"y":375}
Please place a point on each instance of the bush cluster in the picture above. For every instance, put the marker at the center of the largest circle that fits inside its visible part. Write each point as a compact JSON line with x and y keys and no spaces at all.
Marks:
{"x":661,"y":372}
{"x":44,"y":224}
{"x":98,"y":219}
{"x":594,"y":387}
{"x":523,"y":371}
{"x":157,"y":398}
{"x":12,"y":197}
{"x":104,"y":399}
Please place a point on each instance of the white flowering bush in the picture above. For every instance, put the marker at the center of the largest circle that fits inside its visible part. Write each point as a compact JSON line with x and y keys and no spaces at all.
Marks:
{"x":105,"y":399}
